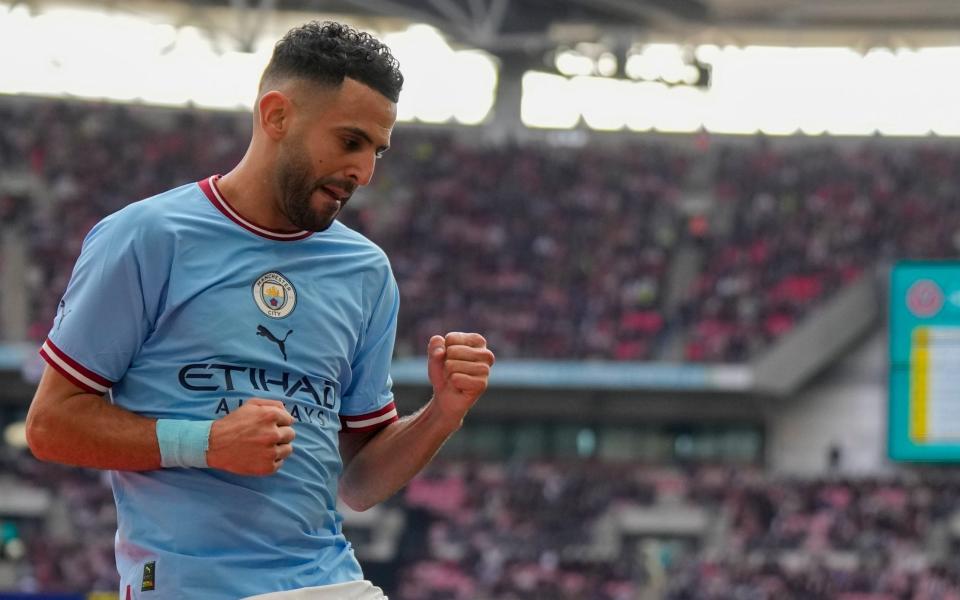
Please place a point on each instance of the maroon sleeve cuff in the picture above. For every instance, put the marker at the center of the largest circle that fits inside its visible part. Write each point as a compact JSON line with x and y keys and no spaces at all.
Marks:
{"x":78,"y":374}
{"x":371,"y":421}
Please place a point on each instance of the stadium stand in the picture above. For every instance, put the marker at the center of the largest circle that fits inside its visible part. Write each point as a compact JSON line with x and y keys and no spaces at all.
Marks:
{"x":578,"y":530}
{"x":795,"y":226}
{"x":471,"y":229}
{"x":66,"y":166}
{"x":576,"y":242}
{"x":526,"y":226}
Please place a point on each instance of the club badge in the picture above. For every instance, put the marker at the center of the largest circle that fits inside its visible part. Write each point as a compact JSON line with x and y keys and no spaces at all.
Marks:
{"x":275,"y":295}
{"x":924,"y":298}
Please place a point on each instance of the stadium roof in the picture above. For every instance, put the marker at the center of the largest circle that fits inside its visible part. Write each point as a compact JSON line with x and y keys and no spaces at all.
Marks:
{"x":508,"y":25}
{"x":523,"y":29}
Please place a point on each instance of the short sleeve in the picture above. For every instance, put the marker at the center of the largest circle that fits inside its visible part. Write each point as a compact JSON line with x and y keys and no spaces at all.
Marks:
{"x":106,"y":313}
{"x":368,"y":400}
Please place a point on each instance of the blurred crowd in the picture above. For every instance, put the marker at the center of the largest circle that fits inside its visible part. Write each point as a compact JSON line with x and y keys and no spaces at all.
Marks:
{"x":69,"y":547}
{"x":64,"y":166}
{"x":552,"y":252}
{"x":518,"y":531}
{"x":792,"y":226}
{"x":535,"y":532}
{"x":861,"y":539}
{"x":559,"y":530}
{"x":555,"y":253}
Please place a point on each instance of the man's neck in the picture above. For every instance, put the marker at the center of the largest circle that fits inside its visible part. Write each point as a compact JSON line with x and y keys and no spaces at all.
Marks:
{"x":250,"y":192}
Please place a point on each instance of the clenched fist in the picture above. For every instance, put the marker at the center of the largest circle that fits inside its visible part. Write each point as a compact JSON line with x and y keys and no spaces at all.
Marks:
{"x":252,"y":440}
{"x":459,"y":369}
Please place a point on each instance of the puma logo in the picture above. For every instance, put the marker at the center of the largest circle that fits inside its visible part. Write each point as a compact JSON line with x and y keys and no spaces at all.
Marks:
{"x":63,"y":313}
{"x":282,"y":344}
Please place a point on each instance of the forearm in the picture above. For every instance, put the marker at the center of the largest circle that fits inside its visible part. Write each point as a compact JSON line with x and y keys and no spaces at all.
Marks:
{"x":393,"y":456}
{"x":87,"y":431}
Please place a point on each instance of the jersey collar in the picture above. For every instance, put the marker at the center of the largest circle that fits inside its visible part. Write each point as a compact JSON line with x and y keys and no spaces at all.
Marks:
{"x":212,"y":192}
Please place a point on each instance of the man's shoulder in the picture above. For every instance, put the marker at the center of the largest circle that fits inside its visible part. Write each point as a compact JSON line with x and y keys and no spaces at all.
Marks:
{"x":145,"y":222}
{"x":358,"y":244}
{"x":159,"y":211}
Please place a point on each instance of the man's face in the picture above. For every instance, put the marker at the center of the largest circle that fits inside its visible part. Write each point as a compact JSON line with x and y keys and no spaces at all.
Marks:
{"x":331,"y":152}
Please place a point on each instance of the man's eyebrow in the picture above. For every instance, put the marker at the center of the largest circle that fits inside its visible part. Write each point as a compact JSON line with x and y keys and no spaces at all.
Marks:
{"x":363,"y":134}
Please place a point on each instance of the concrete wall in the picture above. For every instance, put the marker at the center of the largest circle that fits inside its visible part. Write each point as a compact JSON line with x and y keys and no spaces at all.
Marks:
{"x":819,"y":340}
{"x":846,"y":406}
{"x":13,"y":281}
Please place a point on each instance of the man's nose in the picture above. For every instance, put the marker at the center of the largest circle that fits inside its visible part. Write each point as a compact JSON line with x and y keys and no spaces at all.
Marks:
{"x":361,"y":171}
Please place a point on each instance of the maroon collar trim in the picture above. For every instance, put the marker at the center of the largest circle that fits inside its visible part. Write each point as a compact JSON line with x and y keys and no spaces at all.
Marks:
{"x":210,"y":189}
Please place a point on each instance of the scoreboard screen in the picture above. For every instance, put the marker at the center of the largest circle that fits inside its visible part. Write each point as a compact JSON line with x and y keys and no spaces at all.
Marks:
{"x":925,"y":361}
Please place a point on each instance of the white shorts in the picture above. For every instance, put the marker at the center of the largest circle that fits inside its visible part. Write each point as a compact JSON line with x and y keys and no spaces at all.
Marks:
{"x":352,"y":590}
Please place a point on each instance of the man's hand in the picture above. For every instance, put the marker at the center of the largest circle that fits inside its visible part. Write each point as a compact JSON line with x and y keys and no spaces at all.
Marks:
{"x":459,"y":368}
{"x":378,"y":465}
{"x":252,"y":440}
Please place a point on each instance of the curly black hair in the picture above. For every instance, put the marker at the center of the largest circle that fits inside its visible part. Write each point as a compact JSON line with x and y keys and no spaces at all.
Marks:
{"x":326,"y":52}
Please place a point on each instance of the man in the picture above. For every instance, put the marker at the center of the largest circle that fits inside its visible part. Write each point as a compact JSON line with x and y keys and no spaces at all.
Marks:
{"x":245,"y":337}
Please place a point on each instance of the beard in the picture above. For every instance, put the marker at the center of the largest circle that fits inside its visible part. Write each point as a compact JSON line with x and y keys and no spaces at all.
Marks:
{"x":297,"y":187}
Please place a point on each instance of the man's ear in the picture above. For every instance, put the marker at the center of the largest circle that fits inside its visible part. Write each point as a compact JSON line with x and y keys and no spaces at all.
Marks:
{"x":274,"y":110}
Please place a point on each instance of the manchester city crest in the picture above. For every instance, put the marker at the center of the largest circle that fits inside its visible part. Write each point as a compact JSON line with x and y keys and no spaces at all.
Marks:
{"x":275,"y":295}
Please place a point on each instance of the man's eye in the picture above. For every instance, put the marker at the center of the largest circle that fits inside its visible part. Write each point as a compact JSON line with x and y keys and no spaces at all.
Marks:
{"x":351,"y":144}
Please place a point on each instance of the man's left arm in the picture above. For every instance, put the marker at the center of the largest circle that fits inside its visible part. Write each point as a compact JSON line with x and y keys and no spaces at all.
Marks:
{"x":378,"y":464}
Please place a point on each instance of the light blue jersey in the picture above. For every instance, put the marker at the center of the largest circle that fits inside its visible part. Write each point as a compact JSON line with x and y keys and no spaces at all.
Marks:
{"x":182,"y":310}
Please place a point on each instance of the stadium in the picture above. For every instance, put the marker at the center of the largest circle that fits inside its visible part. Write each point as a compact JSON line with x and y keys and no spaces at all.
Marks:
{"x":712,"y":243}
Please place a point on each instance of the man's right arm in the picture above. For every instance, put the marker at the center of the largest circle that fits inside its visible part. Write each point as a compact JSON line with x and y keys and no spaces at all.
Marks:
{"x":69,"y":425}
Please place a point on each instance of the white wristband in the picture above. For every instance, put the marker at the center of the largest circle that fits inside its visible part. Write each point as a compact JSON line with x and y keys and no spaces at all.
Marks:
{"x":183,"y":443}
